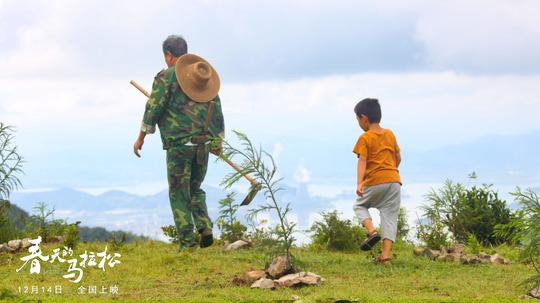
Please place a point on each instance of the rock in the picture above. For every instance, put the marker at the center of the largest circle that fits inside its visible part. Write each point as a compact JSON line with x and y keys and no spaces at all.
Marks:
{"x":236,"y":245}
{"x":296,"y":297}
{"x":25,"y":243}
{"x":5,"y":248}
{"x":303,"y":278}
{"x":450,"y":257}
{"x":431,"y":254}
{"x":419,"y":251}
{"x":14,"y":244}
{"x":469,"y":259}
{"x":535,"y":292}
{"x":497,"y":259}
{"x":254,"y":275}
{"x":264,"y":283}
{"x":426,"y":252}
{"x":280,"y":267}
{"x":456,"y":248}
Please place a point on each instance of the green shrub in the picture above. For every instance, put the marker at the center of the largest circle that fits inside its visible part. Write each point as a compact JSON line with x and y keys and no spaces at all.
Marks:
{"x":432,"y":233}
{"x":170,"y":232}
{"x":467,"y":211}
{"x":402,"y":226}
{"x":10,"y":166}
{"x":8,"y":230}
{"x":334,"y":233}
{"x":524,"y":228}
{"x":42,"y":223}
{"x":70,"y":237}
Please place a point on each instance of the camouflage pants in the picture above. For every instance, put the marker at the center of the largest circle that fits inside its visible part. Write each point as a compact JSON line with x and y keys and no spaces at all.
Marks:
{"x":188,"y":200}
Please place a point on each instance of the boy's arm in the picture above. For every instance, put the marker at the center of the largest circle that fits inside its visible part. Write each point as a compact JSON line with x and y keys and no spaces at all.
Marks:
{"x":361,"y":170}
{"x":398,"y":159}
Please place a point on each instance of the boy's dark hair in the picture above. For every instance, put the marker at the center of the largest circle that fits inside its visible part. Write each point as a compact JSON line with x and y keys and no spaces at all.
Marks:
{"x":369,"y":107}
{"x":176,"y":45}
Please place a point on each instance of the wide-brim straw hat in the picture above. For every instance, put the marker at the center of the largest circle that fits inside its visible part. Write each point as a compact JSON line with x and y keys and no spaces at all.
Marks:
{"x":197,"y":78}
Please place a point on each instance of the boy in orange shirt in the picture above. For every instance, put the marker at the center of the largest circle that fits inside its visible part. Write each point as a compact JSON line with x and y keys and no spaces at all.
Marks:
{"x":379,"y":183}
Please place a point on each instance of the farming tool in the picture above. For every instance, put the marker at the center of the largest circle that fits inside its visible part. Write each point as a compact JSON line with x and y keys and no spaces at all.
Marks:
{"x":255,"y":186}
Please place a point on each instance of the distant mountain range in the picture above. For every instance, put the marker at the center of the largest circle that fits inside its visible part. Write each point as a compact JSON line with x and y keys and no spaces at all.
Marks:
{"x":144,"y":215}
{"x":510,"y":160}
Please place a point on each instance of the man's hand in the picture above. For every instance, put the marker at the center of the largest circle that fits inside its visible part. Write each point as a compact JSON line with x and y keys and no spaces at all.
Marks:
{"x":137,"y":147}
{"x":216,"y":149}
{"x":139,"y":144}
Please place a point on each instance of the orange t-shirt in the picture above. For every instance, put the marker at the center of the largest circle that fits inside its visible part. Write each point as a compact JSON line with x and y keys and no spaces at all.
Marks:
{"x":380,"y":151}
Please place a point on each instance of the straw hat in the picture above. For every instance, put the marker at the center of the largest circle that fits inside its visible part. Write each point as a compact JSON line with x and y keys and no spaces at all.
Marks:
{"x":197,"y":78}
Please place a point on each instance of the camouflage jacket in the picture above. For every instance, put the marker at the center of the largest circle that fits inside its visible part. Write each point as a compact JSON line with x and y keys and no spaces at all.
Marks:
{"x":177,"y":116}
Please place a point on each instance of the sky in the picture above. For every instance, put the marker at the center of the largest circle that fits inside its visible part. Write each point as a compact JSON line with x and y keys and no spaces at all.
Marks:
{"x":445,"y":72}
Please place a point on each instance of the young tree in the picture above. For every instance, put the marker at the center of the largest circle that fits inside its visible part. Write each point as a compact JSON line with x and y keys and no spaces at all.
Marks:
{"x":261,"y":166}
{"x":231,"y":228}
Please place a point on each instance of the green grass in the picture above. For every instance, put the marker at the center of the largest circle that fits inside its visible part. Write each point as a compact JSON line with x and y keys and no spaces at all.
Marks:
{"x":156,"y":271}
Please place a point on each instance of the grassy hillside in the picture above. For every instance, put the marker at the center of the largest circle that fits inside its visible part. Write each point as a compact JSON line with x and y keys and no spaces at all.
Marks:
{"x":156,"y":271}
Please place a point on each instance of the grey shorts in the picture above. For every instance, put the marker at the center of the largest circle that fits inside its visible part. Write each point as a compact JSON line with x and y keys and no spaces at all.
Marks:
{"x":386,"y":198}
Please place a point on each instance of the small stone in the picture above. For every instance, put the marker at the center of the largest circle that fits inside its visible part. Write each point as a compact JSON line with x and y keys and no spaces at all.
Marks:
{"x":279,"y":267}
{"x":304,"y":278}
{"x":497,"y":259}
{"x":264,"y":283}
{"x":254,"y":275}
{"x":5,"y":248}
{"x":14,"y":244}
{"x":449,"y":257}
{"x":470,"y":259}
{"x":236,"y":245}
{"x":457,"y":248}
{"x":535,"y":292}
{"x":418,"y":251}
{"x":431,"y":254}
{"x":25,"y":243}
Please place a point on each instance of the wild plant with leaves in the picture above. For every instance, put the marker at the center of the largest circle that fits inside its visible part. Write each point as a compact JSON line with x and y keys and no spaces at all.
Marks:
{"x":231,"y":228}
{"x":261,"y":166}
{"x":464,"y":211}
{"x":42,"y":223}
{"x":10,"y":166}
{"x":524,"y":229}
{"x":335,"y":233}
{"x":10,"y":163}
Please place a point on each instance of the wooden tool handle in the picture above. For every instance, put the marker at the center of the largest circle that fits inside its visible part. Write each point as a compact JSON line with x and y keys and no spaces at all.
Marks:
{"x":239,"y":169}
{"x":142,"y":90}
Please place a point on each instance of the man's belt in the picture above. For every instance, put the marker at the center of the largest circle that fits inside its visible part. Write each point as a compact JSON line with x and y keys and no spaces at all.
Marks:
{"x":199,"y":139}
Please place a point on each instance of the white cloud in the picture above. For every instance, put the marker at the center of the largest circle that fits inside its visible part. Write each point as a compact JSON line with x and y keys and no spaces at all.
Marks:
{"x":480,"y":35}
{"x":66,"y":66}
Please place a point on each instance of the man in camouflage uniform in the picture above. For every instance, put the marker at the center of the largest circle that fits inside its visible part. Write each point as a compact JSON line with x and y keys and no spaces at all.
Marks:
{"x":180,"y":110}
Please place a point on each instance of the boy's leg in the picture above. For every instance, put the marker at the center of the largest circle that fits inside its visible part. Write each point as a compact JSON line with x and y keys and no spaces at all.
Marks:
{"x":368,"y":224}
{"x":361,"y":209}
{"x":389,"y":211}
{"x":386,"y":249}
